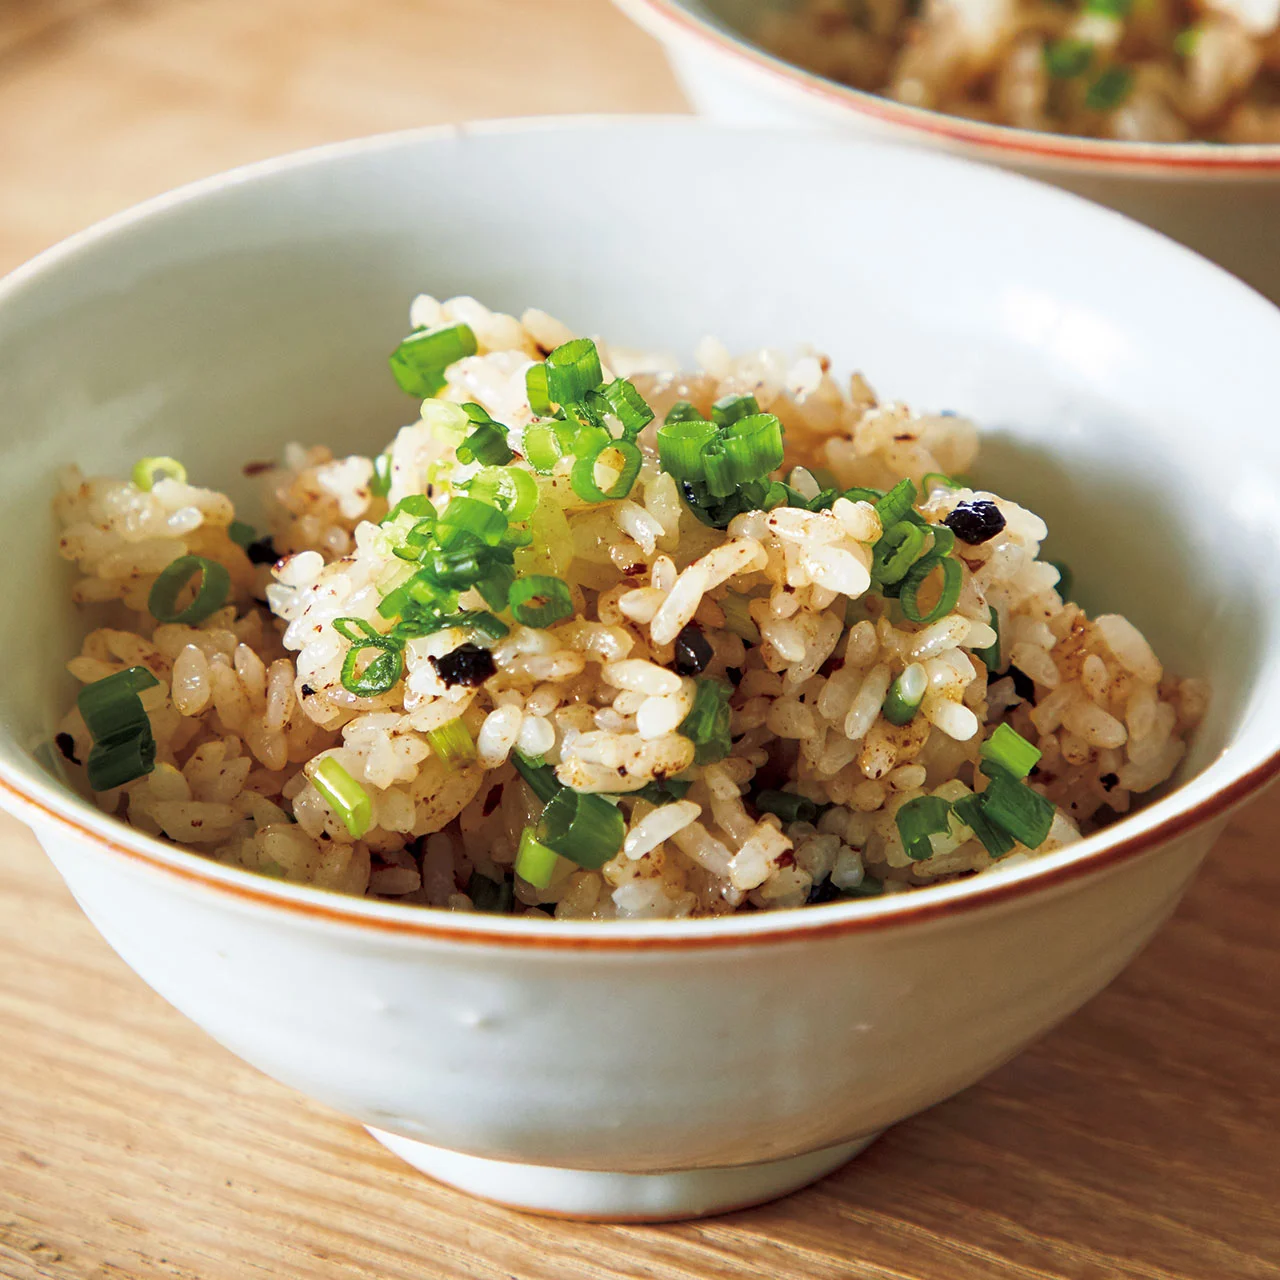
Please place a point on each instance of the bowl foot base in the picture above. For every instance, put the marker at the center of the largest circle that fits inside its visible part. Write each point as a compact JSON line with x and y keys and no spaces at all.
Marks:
{"x":621,"y":1197}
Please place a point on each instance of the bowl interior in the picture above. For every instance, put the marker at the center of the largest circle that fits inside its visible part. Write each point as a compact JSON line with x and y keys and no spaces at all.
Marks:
{"x":1126,"y":386}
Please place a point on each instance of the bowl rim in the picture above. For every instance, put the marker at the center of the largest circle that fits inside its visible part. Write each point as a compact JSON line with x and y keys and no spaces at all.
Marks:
{"x":45,"y":801}
{"x":998,"y":141}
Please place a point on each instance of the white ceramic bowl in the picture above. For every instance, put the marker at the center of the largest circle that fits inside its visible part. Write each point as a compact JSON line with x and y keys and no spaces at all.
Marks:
{"x":1223,"y":201}
{"x":676,"y":1067}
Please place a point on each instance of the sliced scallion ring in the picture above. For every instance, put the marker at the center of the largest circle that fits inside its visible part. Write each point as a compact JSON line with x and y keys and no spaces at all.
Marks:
{"x":210,"y":596}
{"x":511,"y":489}
{"x":535,"y":385}
{"x":147,"y":471}
{"x":753,"y":444}
{"x":539,"y":600}
{"x":535,"y":861}
{"x":344,"y":795}
{"x":573,"y":369}
{"x":582,"y":827}
{"x":1007,"y":751}
{"x":453,"y":743}
{"x":680,"y":445}
{"x":915,"y":579}
{"x":919,"y":819}
{"x":905,"y":695}
{"x":584,"y":479}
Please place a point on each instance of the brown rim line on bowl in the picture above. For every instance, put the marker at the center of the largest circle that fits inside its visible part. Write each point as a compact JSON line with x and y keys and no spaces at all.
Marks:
{"x":999,"y":142}
{"x":1091,"y":855}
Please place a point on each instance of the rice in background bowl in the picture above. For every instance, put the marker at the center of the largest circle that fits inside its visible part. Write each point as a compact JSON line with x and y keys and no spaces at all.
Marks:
{"x":1221,"y":199}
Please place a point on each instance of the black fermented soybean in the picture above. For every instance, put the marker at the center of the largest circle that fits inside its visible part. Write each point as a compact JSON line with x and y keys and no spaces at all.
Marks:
{"x":975,"y":522}
{"x":468,"y":665}
{"x":693,"y":651}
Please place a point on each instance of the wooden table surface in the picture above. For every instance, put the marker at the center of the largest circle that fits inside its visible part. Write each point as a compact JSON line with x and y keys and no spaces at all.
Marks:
{"x":1138,"y":1140}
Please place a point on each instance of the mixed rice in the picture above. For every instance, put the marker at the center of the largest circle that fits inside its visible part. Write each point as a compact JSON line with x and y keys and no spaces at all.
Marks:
{"x":597,"y":688}
{"x":1132,"y":70}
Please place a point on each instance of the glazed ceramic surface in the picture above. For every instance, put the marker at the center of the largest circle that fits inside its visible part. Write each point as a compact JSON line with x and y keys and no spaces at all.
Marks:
{"x":675,"y":1067}
{"x":1222,"y":201}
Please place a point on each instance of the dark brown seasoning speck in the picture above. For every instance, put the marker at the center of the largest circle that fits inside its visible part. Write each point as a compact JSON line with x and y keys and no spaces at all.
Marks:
{"x":492,"y":800}
{"x":468,"y":665}
{"x":67,"y":745}
{"x":1023,"y":685}
{"x":262,"y":552}
{"x":1109,"y":781}
{"x":308,"y":691}
{"x":693,"y":651}
{"x":257,"y":468}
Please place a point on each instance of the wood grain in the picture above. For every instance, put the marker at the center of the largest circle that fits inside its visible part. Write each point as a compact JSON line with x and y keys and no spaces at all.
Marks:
{"x":1138,"y":1141}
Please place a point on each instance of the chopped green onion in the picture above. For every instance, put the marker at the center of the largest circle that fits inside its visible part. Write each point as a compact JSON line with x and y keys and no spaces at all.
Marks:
{"x":919,"y":819}
{"x":535,"y":385}
{"x":148,"y":471}
{"x":994,"y":839}
{"x":540,"y":777}
{"x":861,"y":494}
{"x":511,"y":489}
{"x":468,"y":515}
{"x":787,"y":805}
{"x":915,"y":579}
{"x":573,"y":369}
{"x":538,"y":600}
{"x":417,"y":505}
{"x":896,"y":504}
{"x":215,"y":586}
{"x":112,"y":710}
{"x":469,"y":620}
{"x":943,"y":480}
{"x":453,"y":743}
{"x":905,"y":695}
{"x":496,"y":897}
{"x":542,"y":446}
{"x":991,"y":654}
{"x":1025,"y":814}
{"x":707,"y":724}
{"x":535,"y":862}
{"x":419,"y":362}
{"x":738,"y":619}
{"x":242,"y":534}
{"x":379,"y":675}
{"x":944,"y":538}
{"x":487,"y":444}
{"x":380,"y":484}
{"x":1109,"y":8}
{"x":583,"y":477}
{"x":824,"y":500}
{"x":112,"y":764}
{"x":628,"y":406}
{"x":753,"y":445}
{"x":682,"y":411}
{"x":896,"y":550}
{"x":1110,"y":89}
{"x":583,"y":827}
{"x":728,"y":409}
{"x":1007,"y":751}
{"x":717,"y":469}
{"x":680,"y":445}
{"x":344,"y":795}
{"x":495,"y":585}
{"x":1068,"y":58}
